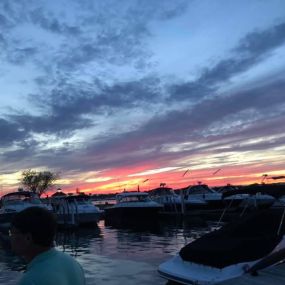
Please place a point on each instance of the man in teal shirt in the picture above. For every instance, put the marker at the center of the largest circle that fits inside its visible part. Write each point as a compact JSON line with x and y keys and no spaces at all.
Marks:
{"x":32,"y":237}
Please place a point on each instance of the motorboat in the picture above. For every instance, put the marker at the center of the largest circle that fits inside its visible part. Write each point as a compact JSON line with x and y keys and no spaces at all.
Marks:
{"x":251,"y":199}
{"x":75,"y":210}
{"x":172,"y":201}
{"x":133,"y":206}
{"x":15,"y":202}
{"x":258,"y":201}
{"x":230,"y":251}
{"x":212,"y":199}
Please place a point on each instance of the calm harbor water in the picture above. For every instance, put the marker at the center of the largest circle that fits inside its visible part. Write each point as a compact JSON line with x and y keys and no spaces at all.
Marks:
{"x":114,"y":256}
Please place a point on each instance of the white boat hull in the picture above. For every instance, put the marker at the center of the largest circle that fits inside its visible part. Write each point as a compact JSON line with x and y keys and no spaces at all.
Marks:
{"x":185,"y":272}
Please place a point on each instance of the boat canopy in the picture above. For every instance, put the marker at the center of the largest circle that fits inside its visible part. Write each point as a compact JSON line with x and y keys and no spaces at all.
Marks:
{"x":248,"y":239}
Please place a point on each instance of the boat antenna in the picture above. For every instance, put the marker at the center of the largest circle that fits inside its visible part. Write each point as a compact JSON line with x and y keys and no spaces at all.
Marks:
{"x":185,"y":172}
{"x":215,"y":172}
{"x":264,"y":176}
{"x":281,"y":222}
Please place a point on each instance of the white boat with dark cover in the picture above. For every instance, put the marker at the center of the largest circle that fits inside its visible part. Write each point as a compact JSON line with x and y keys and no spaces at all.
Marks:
{"x":133,"y":206}
{"x":230,"y":251}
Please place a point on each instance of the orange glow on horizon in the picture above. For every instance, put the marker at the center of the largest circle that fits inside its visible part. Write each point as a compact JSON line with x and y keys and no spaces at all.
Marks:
{"x":117,"y":180}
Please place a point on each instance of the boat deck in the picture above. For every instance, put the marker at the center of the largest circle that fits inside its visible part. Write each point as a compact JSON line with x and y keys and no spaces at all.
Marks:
{"x":274,"y":275}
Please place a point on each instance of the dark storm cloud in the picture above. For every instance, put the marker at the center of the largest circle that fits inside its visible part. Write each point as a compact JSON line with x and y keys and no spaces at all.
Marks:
{"x":107,"y":32}
{"x":21,"y":55}
{"x":192,"y":125}
{"x":89,"y":32}
{"x":10,"y":132}
{"x":120,"y":38}
{"x":259,"y":42}
{"x":26,"y":150}
{"x":189,"y":125}
{"x":263,"y":99}
{"x":41,"y":18}
{"x":63,"y":125}
{"x":261,"y":133}
{"x":251,"y":50}
{"x":79,"y":100}
{"x":68,"y":102}
{"x":3,"y":21}
{"x":29,"y":153}
{"x":65,"y":109}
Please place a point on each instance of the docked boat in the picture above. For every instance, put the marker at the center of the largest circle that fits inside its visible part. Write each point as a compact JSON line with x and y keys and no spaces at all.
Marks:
{"x":172,"y":202}
{"x":15,"y":202}
{"x":75,"y":210}
{"x":133,"y":206}
{"x":212,"y":199}
{"x":230,"y":251}
{"x":258,"y":201}
{"x":252,"y":199}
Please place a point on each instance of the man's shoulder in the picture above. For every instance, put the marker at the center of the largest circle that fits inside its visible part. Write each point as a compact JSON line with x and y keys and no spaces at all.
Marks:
{"x":27,"y":279}
{"x":65,"y":262}
{"x":65,"y":257}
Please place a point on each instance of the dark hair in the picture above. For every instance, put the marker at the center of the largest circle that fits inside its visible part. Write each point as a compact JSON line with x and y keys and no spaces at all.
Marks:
{"x":37,"y":221}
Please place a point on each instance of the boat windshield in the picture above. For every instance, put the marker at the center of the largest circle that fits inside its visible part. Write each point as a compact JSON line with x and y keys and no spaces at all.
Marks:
{"x":20,"y":200}
{"x":84,"y":202}
{"x":200,"y":189}
{"x":79,"y":200}
{"x":138,"y":198}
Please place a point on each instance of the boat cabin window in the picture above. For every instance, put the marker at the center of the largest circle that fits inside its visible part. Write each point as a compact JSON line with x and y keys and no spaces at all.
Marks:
{"x":200,"y":190}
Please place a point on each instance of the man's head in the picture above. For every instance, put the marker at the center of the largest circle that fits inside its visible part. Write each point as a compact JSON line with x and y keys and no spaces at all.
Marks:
{"x":32,"y":229}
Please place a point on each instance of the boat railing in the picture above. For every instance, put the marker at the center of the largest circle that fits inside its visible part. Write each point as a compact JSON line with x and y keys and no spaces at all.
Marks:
{"x":67,"y":212}
{"x":169,"y":201}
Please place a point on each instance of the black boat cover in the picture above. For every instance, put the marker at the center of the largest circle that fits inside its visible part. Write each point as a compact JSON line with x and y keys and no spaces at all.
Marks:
{"x":248,"y":239}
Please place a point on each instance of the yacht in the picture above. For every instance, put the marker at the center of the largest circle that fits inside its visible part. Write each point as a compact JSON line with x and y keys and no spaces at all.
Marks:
{"x":212,"y":198}
{"x":75,"y":210}
{"x":172,"y":201}
{"x":258,"y":201}
{"x":15,"y":202}
{"x":135,"y":206}
{"x":253,"y":198}
{"x":229,"y":252}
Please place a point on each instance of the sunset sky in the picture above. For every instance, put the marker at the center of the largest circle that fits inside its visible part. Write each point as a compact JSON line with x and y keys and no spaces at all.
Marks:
{"x":116,"y":94}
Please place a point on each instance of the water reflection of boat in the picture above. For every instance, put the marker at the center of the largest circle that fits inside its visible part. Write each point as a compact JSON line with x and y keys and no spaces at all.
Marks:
{"x":227,"y":253}
{"x":78,"y":242}
{"x":132,"y":207}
